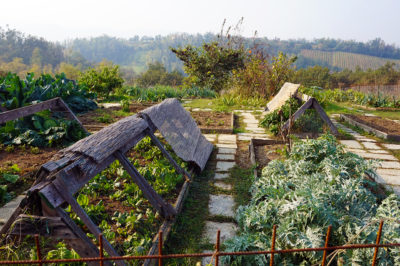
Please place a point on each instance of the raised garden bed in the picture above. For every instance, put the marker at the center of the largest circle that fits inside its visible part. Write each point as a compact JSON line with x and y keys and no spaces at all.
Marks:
{"x":381,"y":127}
{"x":263,"y":151}
{"x":214,"y":122}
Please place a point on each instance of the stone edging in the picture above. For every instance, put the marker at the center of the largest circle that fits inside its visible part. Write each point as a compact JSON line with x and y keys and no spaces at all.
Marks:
{"x":369,"y":129}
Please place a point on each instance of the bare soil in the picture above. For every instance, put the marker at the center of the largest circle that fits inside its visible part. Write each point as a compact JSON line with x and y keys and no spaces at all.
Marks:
{"x":242,"y":157}
{"x":379,"y":123}
{"x":213,"y":120}
{"x":267,"y":153}
{"x":29,"y":164}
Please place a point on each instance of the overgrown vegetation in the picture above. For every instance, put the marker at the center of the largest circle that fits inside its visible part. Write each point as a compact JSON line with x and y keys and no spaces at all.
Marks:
{"x":8,"y":176}
{"x":337,"y":95}
{"x":318,"y":185}
{"x":16,"y":92}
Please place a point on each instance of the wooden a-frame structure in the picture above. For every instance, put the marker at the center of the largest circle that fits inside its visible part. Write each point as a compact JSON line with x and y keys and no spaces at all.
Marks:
{"x":42,"y":211}
{"x":314,"y":104}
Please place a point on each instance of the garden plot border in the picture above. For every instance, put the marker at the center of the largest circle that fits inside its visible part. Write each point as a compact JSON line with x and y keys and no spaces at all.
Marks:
{"x":369,"y":129}
{"x":260,"y":142}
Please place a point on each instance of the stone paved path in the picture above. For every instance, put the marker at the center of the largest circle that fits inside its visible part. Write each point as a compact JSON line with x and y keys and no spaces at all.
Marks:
{"x":388,"y":173}
{"x":222,"y":205}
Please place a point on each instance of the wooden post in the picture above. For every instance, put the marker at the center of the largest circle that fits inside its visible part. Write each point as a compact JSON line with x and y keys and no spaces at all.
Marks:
{"x":165,"y":209}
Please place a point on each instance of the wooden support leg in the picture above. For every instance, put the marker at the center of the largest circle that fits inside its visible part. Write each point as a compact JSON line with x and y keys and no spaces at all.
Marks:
{"x":165,"y":209}
{"x":60,"y":186}
{"x":158,"y":143}
{"x":71,"y":115}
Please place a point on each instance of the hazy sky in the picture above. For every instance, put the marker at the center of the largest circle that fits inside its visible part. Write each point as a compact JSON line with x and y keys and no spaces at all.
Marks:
{"x":346,"y":19}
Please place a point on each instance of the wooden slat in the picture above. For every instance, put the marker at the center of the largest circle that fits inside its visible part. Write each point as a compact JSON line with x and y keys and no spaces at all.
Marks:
{"x":179,"y":169}
{"x":82,"y":245}
{"x":27,"y":110}
{"x":41,"y":225}
{"x":60,"y":186}
{"x":165,"y":209}
{"x":298,"y":113}
{"x":325,"y":117}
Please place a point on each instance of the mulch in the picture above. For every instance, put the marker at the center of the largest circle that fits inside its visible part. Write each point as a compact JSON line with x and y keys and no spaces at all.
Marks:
{"x":385,"y":125}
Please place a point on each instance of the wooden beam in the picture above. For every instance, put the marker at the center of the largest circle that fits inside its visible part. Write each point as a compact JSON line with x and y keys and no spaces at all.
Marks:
{"x":27,"y":110}
{"x":158,"y":143}
{"x":325,"y":117}
{"x":298,"y":113}
{"x":42,"y":225}
{"x":60,"y":186}
{"x":164,"y":208}
{"x":71,"y":114}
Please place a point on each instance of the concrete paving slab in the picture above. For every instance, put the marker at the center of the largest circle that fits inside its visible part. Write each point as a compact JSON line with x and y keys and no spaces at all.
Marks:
{"x":378,"y":151}
{"x":220,"y":176}
{"x":228,"y":230}
{"x":7,"y":210}
{"x":392,"y":146}
{"x":221,"y":205}
{"x":352,"y":144}
{"x":210,"y":137}
{"x":391,"y":180}
{"x":383,"y":171}
{"x":225,"y":138}
{"x":370,"y":146}
{"x":363,"y":139}
{"x":224,"y":166}
{"x":223,"y":185}
{"x":224,"y":145}
{"x":376,"y":156}
{"x":390,"y":165}
{"x":226,"y":157}
{"x":227,"y":150}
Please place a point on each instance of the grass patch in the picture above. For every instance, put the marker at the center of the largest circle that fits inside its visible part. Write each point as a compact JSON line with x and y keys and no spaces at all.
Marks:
{"x":242,"y":179}
{"x":121,"y":113}
{"x":186,"y":234}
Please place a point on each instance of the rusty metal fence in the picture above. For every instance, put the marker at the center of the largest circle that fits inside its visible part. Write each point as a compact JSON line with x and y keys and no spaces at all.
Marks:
{"x":214,"y":255}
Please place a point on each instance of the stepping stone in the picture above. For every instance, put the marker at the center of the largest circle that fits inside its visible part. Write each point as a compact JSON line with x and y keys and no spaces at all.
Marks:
{"x":390,"y":165}
{"x":110,"y":105}
{"x":353,"y":144}
{"x":221,"y":205}
{"x":247,"y":138}
{"x":371,"y":146}
{"x":210,"y":137}
{"x":225,"y":138}
{"x":395,"y":189}
{"x":224,"y":166}
{"x":378,"y":151}
{"x":255,"y":130}
{"x":7,"y":210}
{"x":224,"y":145}
{"x":196,"y":110}
{"x":223,"y":185}
{"x":393,"y":172}
{"x":392,"y":146}
{"x":228,"y":230}
{"x":362,"y":139}
{"x":227,"y":150}
{"x":391,"y":179}
{"x":376,"y":156}
{"x":226,"y":157}
{"x":250,"y":121}
{"x":220,"y":176}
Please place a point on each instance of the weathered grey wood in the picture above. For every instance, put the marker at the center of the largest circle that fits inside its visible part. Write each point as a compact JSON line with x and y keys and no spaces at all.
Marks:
{"x":165,"y":209}
{"x":60,"y":186}
{"x":72,"y":116}
{"x":311,"y":103}
{"x":252,"y":152}
{"x":27,"y":110}
{"x":325,"y":117}
{"x":41,"y":225}
{"x":82,"y":245}
{"x":179,"y":169}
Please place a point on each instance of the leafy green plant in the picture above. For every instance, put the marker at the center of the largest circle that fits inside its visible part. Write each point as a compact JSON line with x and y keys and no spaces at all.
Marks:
{"x":8,"y":176}
{"x":318,"y":185}
{"x":15,"y":92}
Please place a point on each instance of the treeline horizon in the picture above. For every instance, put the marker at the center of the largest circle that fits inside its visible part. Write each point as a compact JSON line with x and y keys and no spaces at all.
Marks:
{"x":21,"y":53}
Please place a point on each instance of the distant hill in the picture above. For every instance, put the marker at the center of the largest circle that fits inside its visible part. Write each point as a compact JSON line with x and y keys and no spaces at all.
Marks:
{"x":342,"y":60}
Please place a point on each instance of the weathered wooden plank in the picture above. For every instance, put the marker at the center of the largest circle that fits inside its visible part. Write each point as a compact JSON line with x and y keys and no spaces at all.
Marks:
{"x":179,"y":169}
{"x":71,"y":114}
{"x":252,"y":152}
{"x":41,"y":225}
{"x":325,"y":117}
{"x":60,"y":186}
{"x":165,"y":209}
{"x":82,"y":245}
{"x":298,"y":113}
{"x":27,"y":110}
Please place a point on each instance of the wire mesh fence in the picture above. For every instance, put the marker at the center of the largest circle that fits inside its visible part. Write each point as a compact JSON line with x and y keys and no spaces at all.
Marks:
{"x":215,"y":255}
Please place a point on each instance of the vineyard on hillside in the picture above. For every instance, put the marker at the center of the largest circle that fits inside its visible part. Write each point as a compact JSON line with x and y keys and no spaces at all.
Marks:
{"x":344,"y":60}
